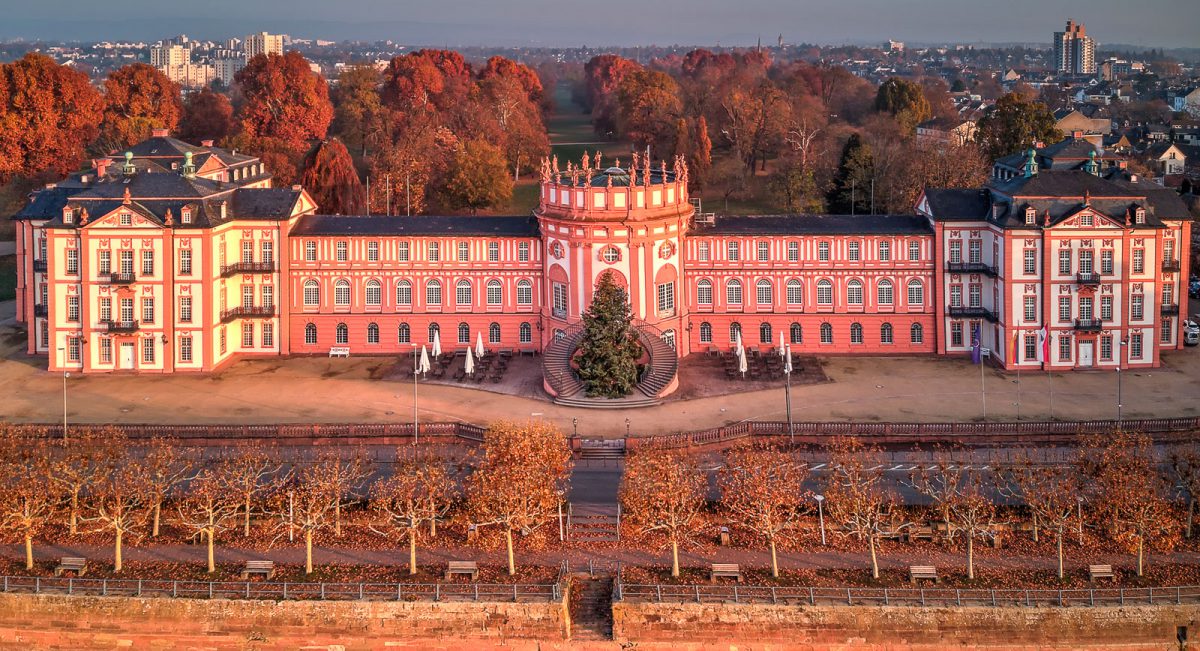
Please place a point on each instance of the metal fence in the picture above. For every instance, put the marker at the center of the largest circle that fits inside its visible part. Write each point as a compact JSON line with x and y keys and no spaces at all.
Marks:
{"x":281,"y":432}
{"x":748,"y":594}
{"x":276,"y":590}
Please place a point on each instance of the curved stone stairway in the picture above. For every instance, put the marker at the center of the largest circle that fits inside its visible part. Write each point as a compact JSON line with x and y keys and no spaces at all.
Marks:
{"x":657,"y":376}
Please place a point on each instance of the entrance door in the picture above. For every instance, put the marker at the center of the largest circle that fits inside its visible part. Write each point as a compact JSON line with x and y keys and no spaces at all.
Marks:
{"x":127,"y":352}
{"x":1085,"y":353}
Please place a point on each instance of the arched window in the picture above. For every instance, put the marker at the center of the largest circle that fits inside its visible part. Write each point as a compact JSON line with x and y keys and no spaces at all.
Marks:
{"x":495,"y":295}
{"x":433,"y":292}
{"x":374,"y":293}
{"x":704,"y":293}
{"x":372,"y":333}
{"x":733,"y":292}
{"x":434,"y":330}
{"x":856,"y":333}
{"x":494,"y":333}
{"x":885,"y":292}
{"x":464,"y":333}
{"x":885,"y":333}
{"x":706,"y":333}
{"x":343,"y":334}
{"x":826,"y":333}
{"x":310,"y":334}
{"x":312,"y":293}
{"x":916,"y":334}
{"x":854,"y":292}
{"x":462,"y":292}
{"x":795,"y":292}
{"x":735,"y":329}
{"x":762,"y":291}
{"x":764,"y":333}
{"x":403,"y":334}
{"x":916,"y":292}
{"x":524,"y":292}
{"x":824,"y":292}
{"x":403,"y":293}
{"x":796,"y":334}
{"x":526,"y":333}
{"x":341,"y":292}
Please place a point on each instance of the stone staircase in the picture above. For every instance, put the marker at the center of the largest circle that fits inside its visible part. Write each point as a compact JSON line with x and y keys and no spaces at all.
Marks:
{"x":591,"y":607}
{"x":664,"y":362}
{"x":568,"y":388}
{"x":556,"y":364}
{"x":590,"y":523}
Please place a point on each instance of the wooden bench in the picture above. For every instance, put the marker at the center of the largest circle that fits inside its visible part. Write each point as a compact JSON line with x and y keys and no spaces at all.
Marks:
{"x":920,"y":533}
{"x":1098,"y":572}
{"x":470,"y":568}
{"x":265,"y":568}
{"x":728,"y":570}
{"x":339,"y":351}
{"x":919,"y":572}
{"x":74,"y":564}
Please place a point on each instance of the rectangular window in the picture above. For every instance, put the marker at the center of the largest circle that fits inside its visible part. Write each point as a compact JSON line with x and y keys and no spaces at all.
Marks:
{"x":1137,"y":305}
{"x":310,"y":251}
{"x":247,"y":334}
{"x":1106,"y":262}
{"x":105,"y":350}
{"x":1030,"y":309}
{"x":823,"y":251}
{"x":185,"y":309}
{"x":73,"y":309}
{"x":247,"y":296}
{"x":1064,"y":308}
{"x":147,"y":310}
{"x":1085,"y":308}
{"x":975,"y":251}
{"x":464,"y":251}
{"x":72,"y":261}
{"x":1139,"y":261}
{"x":74,"y":349}
{"x":341,"y":252}
{"x":148,"y":262}
{"x":914,"y":251}
{"x":1030,"y":347}
{"x":702,"y":251}
{"x":1085,"y":261}
{"x":885,"y":251}
{"x":852,"y":251}
{"x":1106,"y":308}
{"x":224,"y":340}
{"x":956,"y":296}
{"x":956,"y":334}
{"x":493,"y":252}
{"x":764,"y":251}
{"x":185,"y":262}
{"x":523,"y":252}
{"x":1135,"y":346}
{"x":1064,"y":262}
{"x":105,"y":309}
{"x":148,"y":350}
{"x":793,"y":251}
{"x":372,"y":251}
{"x":268,"y":296}
{"x":1106,"y":348}
{"x":1030,"y":267}
{"x":126,"y":310}
{"x":435,"y":252}
{"x":267,"y":249}
{"x":185,"y":348}
{"x":955,"y":251}
{"x":1064,"y":348}
{"x":127,"y":262}
{"x":733,"y":252}
{"x":1167,"y":329}
{"x":402,"y":251}
{"x":666,"y":299}
{"x":105,"y":266}
{"x":247,"y":251}
{"x":975,"y":295}
{"x":559,"y":291}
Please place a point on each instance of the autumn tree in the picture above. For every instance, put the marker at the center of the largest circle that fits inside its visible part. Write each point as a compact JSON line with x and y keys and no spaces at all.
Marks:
{"x":527,"y":78}
{"x":330,"y":178}
{"x":763,"y":489}
{"x":609,"y":350}
{"x":477,"y":178}
{"x":306,"y":504}
{"x":1014,"y":124}
{"x":118,"y":502}
{"x":851,"y":188}
{"x":663,"y":492}
{"x":48,"y":114}
{"x":79,"y":462}
{"x":1185,"y":467}
{"x":419,"y":490}
{"x":602,"y":75}
{"x":974,"y":514}
{"x":359,"y":117}
{"x":207,"y":115}
{"x":699,"y":154}
{"x":1051,"y":493}
{"x":27,"y":501}
{"x":137,"y":99}
{"x":520,"y":482}
{"x":905,"y":101}
{"x":346,"y":473}
{"x":1143,"y":517}
{"x":753,"y":123}
{"x":166,"y":466}
{"x":248,"y":472}
{"x":505,"y":114}
{"x":207,"y":509}
{"x":647,"y":109}
{"x":857,"y":498}
{"x":943,"y":482}
{"x":283,"y":99}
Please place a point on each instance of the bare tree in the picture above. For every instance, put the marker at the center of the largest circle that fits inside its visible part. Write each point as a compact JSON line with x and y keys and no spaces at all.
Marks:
{"x":974,"y":513}
{"x":306,"y":506}
{"x":419,"y":490}
{"x":118,"y":506}
{"x":763,"y":489}
{"x":1052,"y":494}
{"x":663,"y":491}
{"x":857,"y":499}
{"x":1144,"y":517}
{"x":345,"y":476}
{"x":208,"y":508}
{"x":78,"y":463}
{"x":1185,"y":466}
{"x":249,"y":471}
{"x":943,"y":483}
{"x":26,"y":501}
{"x":520,"y":482}
{"x":166,"y":465}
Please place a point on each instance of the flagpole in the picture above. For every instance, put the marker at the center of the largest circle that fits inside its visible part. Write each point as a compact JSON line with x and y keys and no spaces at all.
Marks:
{"x":983,"y":389}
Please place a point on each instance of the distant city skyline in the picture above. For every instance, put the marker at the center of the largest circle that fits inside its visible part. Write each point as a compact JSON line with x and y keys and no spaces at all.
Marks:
{"x":558,"y":23}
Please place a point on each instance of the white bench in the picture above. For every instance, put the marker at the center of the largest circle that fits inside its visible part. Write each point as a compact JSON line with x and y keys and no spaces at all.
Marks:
{"x":339,"y":351}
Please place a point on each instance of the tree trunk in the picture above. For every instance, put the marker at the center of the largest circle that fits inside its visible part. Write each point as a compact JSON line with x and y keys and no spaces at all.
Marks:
{"x":212,"y":543}
{"x":337,"y":518}
{"x":246,"y":527}
{"x":512,"y":565}
{"x":874,"y":558}
{"x":1140,"y":549}
{"x":1060,"y":555}
{"x":74,"y":511}
{"x":433,"y":527}
{"x":674,"y":558}
{"x":970,"y":558}
{"x":117,"y":553}
{"x":308,"y":551}
{"x":774,"y":561}
{"x":28,"y":553}
{"x":1191,"y":510}
{"x":157,"y":516}
{"x":1035,"y":527}
{"x":412,"y":550}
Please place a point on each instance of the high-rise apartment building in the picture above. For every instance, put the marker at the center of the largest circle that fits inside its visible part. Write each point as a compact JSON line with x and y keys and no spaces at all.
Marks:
{"x":1074,"y":50}
{"x":168,"y":55}
{"x":263,"y":43}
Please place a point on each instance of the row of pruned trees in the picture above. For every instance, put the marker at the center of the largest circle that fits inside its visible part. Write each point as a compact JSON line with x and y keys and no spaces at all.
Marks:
{"x":1115,"y":485}
{"x":98,"y":481}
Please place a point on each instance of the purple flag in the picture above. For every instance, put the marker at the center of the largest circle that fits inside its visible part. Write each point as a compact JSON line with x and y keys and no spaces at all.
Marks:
{"x":975,"y":354}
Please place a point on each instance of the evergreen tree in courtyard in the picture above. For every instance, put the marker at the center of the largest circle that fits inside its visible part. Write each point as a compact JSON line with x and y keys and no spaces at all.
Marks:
{"x":851,"y":191}
{"x":609,"y":352}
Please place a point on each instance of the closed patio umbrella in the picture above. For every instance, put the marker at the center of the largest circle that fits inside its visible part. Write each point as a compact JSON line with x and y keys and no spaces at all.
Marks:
{"x":742,"y":365}
{"x":437,"y":343}
{"x":479,"y":351}
{"x":737,"y":344}
{"x":781,"y":343}
{"x":469,"y":366}
{"x":423,"y":368}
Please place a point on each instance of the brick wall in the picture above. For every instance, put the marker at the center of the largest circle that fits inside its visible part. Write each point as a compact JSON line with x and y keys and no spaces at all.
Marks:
{"x":703,"y":626}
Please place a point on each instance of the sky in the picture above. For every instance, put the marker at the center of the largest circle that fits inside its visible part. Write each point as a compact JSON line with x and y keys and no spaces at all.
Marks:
{"x":567,"y":23}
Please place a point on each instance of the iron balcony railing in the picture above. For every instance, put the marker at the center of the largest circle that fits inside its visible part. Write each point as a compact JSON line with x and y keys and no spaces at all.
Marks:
{"x":1170,"y":265}
{"x":248,"y":312}
{"x":119,"y":326}
{"x":1169,"y":309}
{"x":971,"y":268}
{"x":961,"y":312}
{"x":248,"y":268}
{"x":40,"y":266}
{"x":1089,"y":325}
{"x":1088,"y":279}
{"x":41,"y":310}
{"x":118,"y":278}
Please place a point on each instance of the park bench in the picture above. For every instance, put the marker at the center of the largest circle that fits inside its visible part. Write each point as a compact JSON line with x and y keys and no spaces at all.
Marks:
{"x":71,"y":564}
{"x":919,"y":572}
{"x":723,"y":536}
{"x":470,"y":568}
{"x":265,"y":568}
{"x":727,"y":570}
{"x":1100,"y":572}
{"x":339,"y":351}
{"x":920,"y":533}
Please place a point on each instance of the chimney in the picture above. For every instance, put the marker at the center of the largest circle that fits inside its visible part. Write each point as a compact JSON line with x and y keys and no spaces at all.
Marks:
{"x":206,"y":143}
{"x":101,"y":165}
{"x":160,"y":133}
{"x":1077,"y":134}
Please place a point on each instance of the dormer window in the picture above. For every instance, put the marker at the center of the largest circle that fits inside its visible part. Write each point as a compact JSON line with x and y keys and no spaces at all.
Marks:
{"x":68,"y":216}
{"x":1139,"y":216}
{"x":126,"y":219}
{"x":1030,"y":215}
{"x":185,"y":215}
{"x":1085,"y":220}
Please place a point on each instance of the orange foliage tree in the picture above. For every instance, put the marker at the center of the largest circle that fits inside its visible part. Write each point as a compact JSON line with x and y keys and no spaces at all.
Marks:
{"x":81,"y":462}
{"x":763,"y":489}
{"x":419,"y":490}
{"x":477,"y":178}
{"x":648,"y":107}
{"x":166,"y":465}
{"x":207,"y":115}
{"x":663,"y":492}
{"x":521,"y":480}
{"x":26,"y":500}
{"x":48,"y":115}
{"x":330,"y":178}
{"x":602,"y":75}
{"x":208,"y":508}
{"x":283,"y":99}
{"x":137,"y":99}
{"x":857,"y":499}
{"x":1052,"y":495}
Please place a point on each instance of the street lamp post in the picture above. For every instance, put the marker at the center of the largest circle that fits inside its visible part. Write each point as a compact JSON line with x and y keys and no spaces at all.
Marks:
{"x":575,"y":426}
{"x":1079,"y":516}
{"x":416,"y":421}
{"x":66,"y":374}
{"x":821,"y":515}
{"x":626,"y":428}
{"x":1120,"y":360}
{"x":787,"y":374}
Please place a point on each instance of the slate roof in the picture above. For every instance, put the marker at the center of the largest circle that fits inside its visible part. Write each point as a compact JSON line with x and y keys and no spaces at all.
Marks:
{"x":818,"y":225}
{"x":417,"y":225}
{"x":959,"y":204}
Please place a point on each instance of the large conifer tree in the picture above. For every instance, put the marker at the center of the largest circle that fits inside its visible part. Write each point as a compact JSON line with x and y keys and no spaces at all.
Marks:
{"x":851,"y":191}
{"x":609,"y":351}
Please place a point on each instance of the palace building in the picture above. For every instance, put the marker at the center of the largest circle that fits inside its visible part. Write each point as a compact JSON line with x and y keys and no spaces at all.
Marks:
{"x":176,"y":258}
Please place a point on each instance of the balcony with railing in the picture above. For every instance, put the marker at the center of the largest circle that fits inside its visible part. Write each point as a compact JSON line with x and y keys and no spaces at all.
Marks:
{"x":40,"y":266}
{"x":1169,"y":309}
{"x":1087,"y":278}
{"x":961,"y":312}
{"x":118,"y":278}
{"x":1170,"y":265}
{"x":41,"y":310}
{"x":1089,"y":325}
{"x":248,"y":268}
{"x":248,"y":312}
{"x":971,"y":268}
{"x":119,"y":326}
